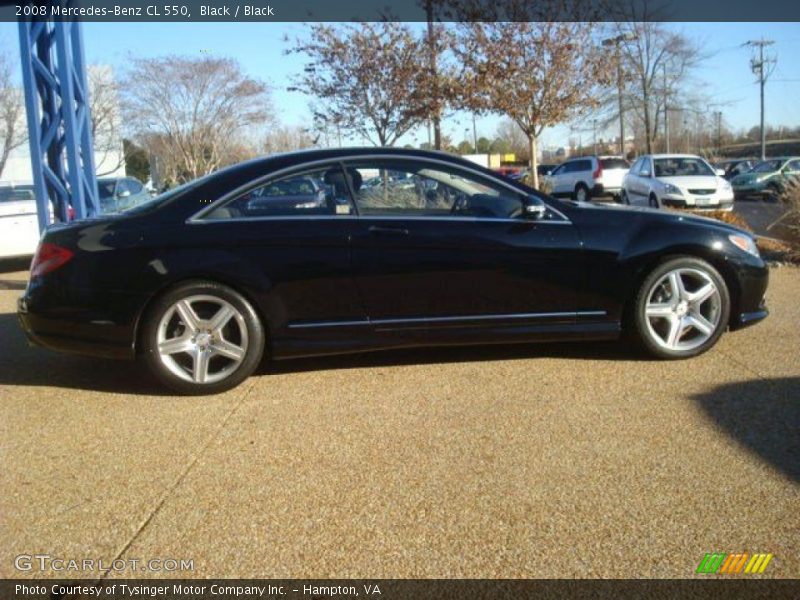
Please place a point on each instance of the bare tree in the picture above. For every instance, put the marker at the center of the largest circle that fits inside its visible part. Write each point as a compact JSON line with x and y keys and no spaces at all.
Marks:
{"x":196,"y":113}
{"x":516,"y":139}
{"x":538,"y":74}
{"x":656,"y":63}
{"x":369,"y":78}
{"x":284,"y":138}
{"x":13,"y":132}
{"x":106,"y":120}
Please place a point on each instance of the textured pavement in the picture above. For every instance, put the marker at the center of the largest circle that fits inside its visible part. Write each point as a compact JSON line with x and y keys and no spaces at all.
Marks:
{"x":520,"y":461}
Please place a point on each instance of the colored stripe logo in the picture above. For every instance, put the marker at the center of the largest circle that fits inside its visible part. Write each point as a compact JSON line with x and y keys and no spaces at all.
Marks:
{"x":733,"y":564}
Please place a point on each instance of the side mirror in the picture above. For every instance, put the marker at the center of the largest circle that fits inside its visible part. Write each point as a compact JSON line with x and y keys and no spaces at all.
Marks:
{"x":123,"y":194}
{"x":720,"y":172}
{"x":533,"y":208}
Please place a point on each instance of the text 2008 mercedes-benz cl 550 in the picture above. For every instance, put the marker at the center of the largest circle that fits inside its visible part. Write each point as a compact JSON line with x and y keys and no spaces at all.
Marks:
{"x":344,"y":250}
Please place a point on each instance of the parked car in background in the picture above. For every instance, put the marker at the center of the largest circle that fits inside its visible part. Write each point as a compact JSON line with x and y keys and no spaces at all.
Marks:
{"x":120,"y":193}
{"x":466,"y":256}
{"x":678,"y":181}
{"x":767,"y":179}
{"x":19,"y":225}
{"x":735,"y":166}
{"x":587,"y":177}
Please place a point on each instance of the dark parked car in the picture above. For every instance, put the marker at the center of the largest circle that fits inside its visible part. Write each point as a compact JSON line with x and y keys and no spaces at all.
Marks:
{"x":200,"y":283}
{"x":735,"y":166}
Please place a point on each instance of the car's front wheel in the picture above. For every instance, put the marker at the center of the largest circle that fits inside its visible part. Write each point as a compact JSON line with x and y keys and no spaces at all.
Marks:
{"x":202,"y":338}
{"x":623,"y":197}
{"x":681,"y":308}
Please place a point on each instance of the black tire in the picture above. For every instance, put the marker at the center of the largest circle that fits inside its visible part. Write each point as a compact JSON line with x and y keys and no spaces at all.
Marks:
{"x":624,"y":199}
{"x":652,"y":201}
{"x":643,"y":333}
{"x":252,"y":353}
{"x":581,"y":188}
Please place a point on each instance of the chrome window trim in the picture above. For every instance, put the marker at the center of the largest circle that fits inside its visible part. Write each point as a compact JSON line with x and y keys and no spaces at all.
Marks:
{"x":372,"y":218}
{"x":423,"y":320}
{"x":341,"y":160}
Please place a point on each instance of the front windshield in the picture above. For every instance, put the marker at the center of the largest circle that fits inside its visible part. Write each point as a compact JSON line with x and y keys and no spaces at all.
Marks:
{"x":768,"y":166}
{"x":681,"y":167}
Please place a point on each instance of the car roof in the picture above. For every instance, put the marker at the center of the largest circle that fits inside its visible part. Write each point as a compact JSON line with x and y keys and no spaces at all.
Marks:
{"x":674,"y":156}
{"x":251,"y":168}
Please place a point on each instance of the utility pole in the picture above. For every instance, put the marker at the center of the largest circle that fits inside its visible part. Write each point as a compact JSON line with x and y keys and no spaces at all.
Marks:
{"x":434,"y":74}
{"x":666,"y":110}
{"x":616,"y":41}
{"x":474,"y":134}
{"x":763,"y":69}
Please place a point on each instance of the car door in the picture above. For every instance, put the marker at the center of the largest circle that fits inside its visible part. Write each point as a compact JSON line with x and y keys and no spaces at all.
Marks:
{"x":297,"y":252}
{"x":454,"y":250}
{"x":557,"y":178}
{"x":643,"y":180}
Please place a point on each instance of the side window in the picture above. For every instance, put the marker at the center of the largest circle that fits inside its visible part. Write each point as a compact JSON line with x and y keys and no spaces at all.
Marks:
{"x":570,"y":167}
{"x":122,"y":188}
{"x":321,"y":191}
{"x":644,"y":168}
{"x":134,"y":186}
{"x":584,"y":165}
{"x":405,"y":188}
{"x":636,"y":166}
{"x":559,"y":170}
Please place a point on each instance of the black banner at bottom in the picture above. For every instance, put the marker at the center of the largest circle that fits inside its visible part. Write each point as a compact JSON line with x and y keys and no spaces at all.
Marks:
{"x":392,"y":589}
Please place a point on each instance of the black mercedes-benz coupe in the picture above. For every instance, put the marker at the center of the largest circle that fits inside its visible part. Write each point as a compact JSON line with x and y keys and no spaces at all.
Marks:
{"x":345,"y":250}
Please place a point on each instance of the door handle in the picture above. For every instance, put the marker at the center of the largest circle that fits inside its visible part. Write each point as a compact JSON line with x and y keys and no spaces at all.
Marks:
{"x":378,"y":230}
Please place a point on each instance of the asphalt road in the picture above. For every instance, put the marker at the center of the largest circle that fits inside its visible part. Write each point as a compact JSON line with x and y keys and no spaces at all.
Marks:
{"x":522,"y":461}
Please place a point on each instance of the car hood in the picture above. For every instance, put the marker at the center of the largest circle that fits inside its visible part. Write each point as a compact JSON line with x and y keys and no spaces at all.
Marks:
{"x":746,"y":178}
{"x":663,"y":214}
{"x":702,"y":182}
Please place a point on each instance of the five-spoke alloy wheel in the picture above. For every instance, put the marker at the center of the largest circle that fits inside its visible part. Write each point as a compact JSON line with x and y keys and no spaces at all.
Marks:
{"x":202,"y":337}
{"x":682,"y":308}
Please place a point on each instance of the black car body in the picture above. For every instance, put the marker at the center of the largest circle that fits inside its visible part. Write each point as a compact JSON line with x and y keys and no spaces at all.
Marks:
{"x":471,"y":258}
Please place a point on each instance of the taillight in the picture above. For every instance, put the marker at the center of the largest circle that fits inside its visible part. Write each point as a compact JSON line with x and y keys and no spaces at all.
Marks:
{"x":599,"y":171}
{"x":49,"y":257}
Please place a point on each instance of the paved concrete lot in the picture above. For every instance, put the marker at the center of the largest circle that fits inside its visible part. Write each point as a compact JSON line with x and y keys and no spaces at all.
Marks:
{"x":517,"y":461}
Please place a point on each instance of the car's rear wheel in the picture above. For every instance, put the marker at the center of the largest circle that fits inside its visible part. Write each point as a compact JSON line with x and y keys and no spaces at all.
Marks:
{"x":202,"y":338}
{"x":581,"y":193}
{"x":681,"y":308}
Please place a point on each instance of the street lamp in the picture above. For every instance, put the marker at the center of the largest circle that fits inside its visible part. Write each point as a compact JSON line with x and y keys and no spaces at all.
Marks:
{"x":616,"y":41}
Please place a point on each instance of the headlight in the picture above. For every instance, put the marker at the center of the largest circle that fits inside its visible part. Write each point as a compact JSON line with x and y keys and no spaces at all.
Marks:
{"x":744,"y":242}
{"x":672,"y":189}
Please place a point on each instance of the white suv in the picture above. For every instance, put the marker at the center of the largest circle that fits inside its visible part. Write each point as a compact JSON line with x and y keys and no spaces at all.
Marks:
{"x":587,"y":177}
{"x":676,"y":180}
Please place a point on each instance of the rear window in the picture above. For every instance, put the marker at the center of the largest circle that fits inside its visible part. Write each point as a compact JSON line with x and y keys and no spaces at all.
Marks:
{"x":16,"y":194}
{"x":614,"y":163}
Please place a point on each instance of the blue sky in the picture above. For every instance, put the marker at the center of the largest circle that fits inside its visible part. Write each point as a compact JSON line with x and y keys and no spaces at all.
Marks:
{"x":259,"y":47}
